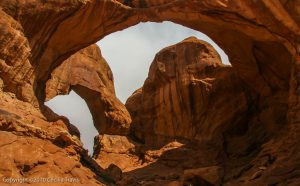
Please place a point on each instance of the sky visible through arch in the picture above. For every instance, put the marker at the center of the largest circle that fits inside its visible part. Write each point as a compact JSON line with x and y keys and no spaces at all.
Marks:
{"x":129,"y":54}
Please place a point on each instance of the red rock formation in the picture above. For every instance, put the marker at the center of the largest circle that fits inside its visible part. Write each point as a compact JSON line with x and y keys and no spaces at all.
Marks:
{"x":56,"y":144}
{"x":227,"y":22}
{"x":118,"y":150}
{"x":186,"y":96}
{"x":261,"y":38}
{"x":190,"y":97}
{"x":15,"y":66}
{"x":88,"y":74}
{"x":32,"y":147}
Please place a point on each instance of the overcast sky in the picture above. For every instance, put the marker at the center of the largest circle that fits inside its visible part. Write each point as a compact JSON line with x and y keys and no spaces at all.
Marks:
{"x":129,"y":53}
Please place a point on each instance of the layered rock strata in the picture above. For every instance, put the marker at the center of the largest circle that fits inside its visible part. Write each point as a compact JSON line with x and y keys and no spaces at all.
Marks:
{"x":38,"y":144}
{"x":189,"y":94}
{"x":258,"y":146}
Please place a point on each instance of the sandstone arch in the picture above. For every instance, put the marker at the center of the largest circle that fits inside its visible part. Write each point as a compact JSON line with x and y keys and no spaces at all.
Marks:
{"x":261,"y":38}
{"x":88,"y":74}
{"x":238,"y":27}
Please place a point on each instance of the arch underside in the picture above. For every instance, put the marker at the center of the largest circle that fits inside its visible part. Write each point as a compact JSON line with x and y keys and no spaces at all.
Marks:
{"x":261,"y":39}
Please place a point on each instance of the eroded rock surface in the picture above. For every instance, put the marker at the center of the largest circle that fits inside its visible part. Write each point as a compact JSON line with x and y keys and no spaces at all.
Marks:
{"x":118,"y":150}
{"x":213,"y":116}
{"x":189,"y":94}
{"x":88,"y":74}
{"x":257,"y":144}
{"x":32,"y":147}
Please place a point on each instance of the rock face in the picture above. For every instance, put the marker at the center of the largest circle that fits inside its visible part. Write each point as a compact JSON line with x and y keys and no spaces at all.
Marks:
{"x":119,"y":150}
{"x":61,"y":31}
{"x":32,"y":143}
{"x":189,"y":94}
{"x":250,"y":131}
{"x":88,"y":74}
{"x":203,"y":176}
{"x":15,"y":68}
{"x":213,"y":116}
{"x":32,"y":147}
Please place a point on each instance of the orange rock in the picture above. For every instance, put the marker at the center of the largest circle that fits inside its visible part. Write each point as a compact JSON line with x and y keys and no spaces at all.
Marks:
{"x":203,"y":176}
{"x":185,"y":96}
{"x":118,"y":150}
{"x":88,"y":74}
{"x":241,"y":118}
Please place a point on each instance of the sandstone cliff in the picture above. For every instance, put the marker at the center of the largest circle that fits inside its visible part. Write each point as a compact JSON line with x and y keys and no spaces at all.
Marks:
{"x":256,"y":142}
{"x":32,"y":142}
{"x":191,"y":114}
{"x":32,"y":147}
{"x":189,"y":94}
